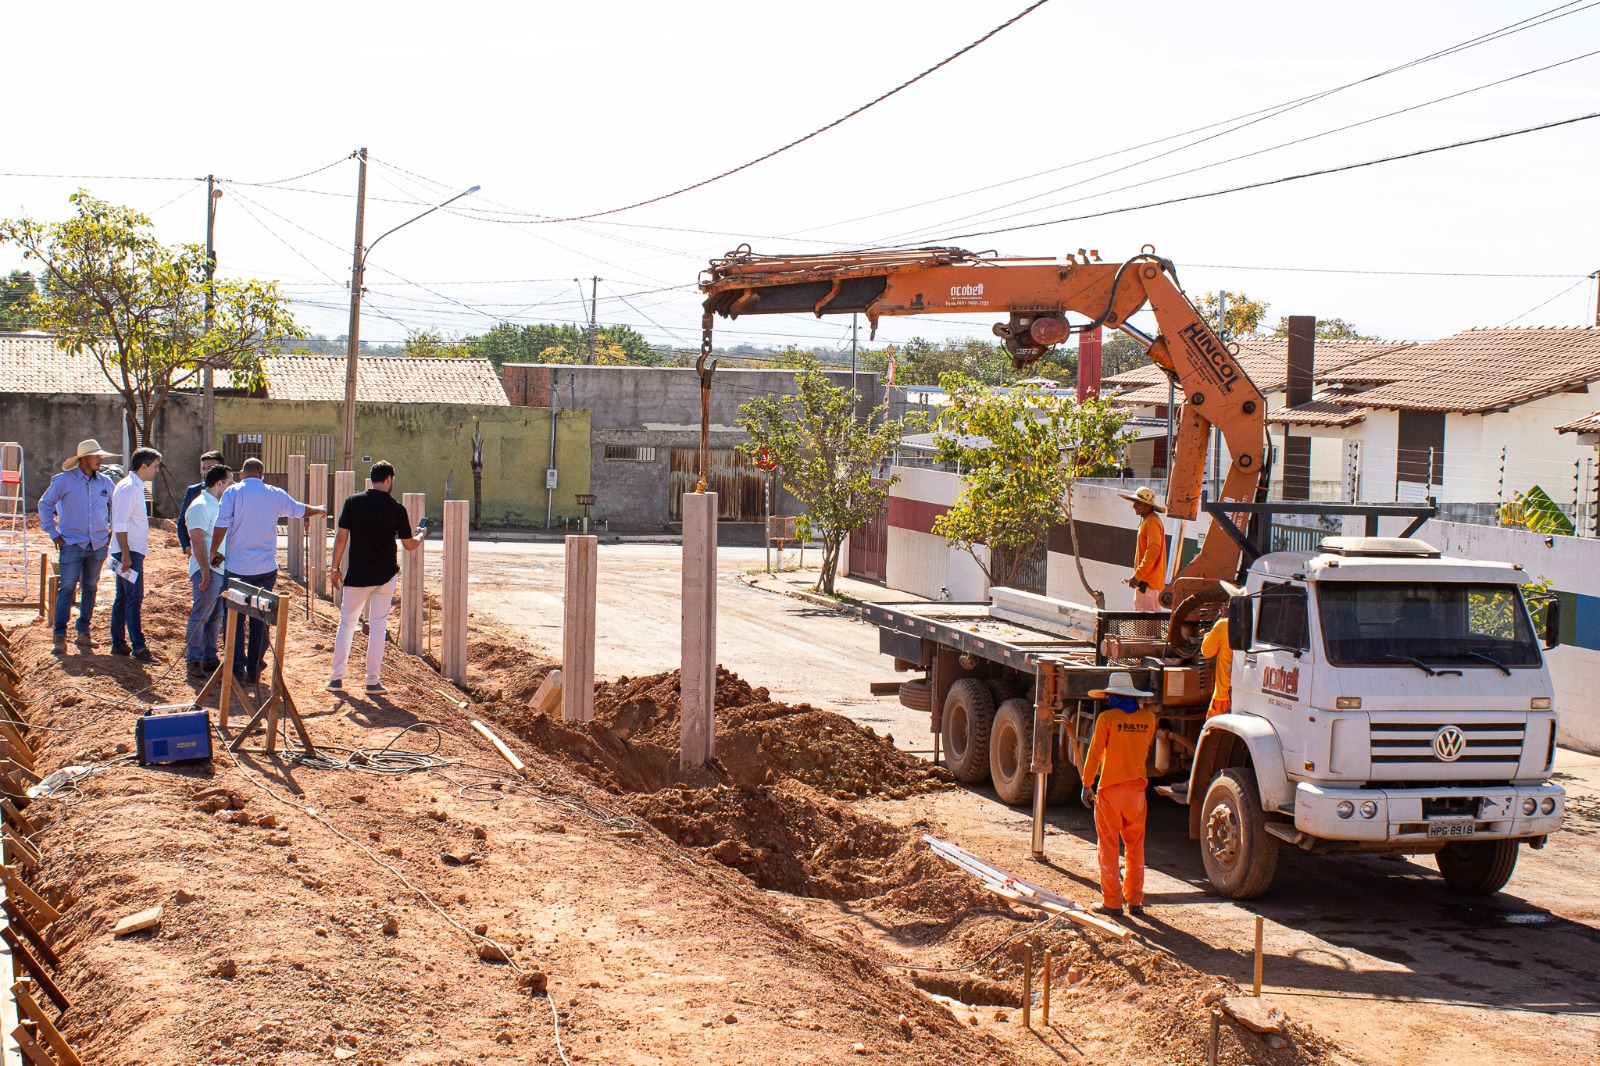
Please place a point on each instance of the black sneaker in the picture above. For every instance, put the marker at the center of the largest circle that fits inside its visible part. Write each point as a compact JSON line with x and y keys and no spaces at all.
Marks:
{"x":145,"y":655}
{"x":376,"y":688}
{"x":335,"y":685}
{"x":1136,"y":908}
{"x":197,"y":669}
{"x":121,"y":649}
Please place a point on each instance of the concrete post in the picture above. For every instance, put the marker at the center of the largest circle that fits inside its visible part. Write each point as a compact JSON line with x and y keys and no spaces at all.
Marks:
{"x":297,"y":526}
{"x":344,"y":486}
{"x":411,"y":571}
{"x":577,"y":630}
{"x":453,"y":614}
{"x":698,"y":687}
{"x":317,"y":496}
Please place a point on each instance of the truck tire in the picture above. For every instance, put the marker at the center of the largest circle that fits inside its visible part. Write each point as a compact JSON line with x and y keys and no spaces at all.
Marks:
{"x":1011,"y":752}
{"x":1477,"y":867}
{"x":968,"y":717}
{"x":1240,"y":856}
{"x":1064,"y":781}
{"x":917,"y":695}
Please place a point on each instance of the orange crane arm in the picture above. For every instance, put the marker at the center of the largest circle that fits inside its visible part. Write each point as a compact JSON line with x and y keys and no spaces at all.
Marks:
{"x":1037,"y":294}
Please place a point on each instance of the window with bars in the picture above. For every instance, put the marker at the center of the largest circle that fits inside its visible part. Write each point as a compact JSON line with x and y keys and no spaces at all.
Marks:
{"x":630,"y":453}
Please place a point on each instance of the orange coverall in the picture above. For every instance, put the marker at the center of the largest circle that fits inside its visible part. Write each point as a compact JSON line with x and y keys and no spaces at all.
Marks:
{"x":1216,"y":644}
{"x":1117,"y":757}
{"x":1150,"y":562}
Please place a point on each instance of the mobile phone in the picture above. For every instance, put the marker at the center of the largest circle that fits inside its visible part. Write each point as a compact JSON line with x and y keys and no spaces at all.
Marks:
{"x":422,"y":523}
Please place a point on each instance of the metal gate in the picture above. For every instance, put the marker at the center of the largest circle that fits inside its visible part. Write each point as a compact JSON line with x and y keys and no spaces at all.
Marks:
{"x":869,"y":545}
{"x":274,"y":449}
{"x":737,"y":481}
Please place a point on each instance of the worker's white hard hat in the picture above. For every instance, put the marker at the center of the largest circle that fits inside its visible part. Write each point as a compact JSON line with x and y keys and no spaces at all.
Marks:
{"x":1146,"y":494}
{"x":1121,"y":685}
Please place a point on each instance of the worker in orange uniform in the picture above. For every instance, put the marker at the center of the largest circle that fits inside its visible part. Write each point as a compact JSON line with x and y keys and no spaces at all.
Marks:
{"x":1216,"y":646}
{"x":1150,"y":553}
{"x":1117,"y":757}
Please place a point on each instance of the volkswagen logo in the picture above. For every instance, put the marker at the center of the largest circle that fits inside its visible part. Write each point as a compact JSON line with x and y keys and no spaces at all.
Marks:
{"x":1449,"y":744}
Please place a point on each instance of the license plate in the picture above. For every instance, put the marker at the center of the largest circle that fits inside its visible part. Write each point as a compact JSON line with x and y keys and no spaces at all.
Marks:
{"x":1463,"y":826}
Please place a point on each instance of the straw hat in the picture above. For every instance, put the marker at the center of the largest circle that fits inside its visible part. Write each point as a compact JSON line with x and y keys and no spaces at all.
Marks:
{"x":1145,"y":495}
{"x":1231,"y":590}
{"x":86,"y":449}
{"x":1121,"y":685}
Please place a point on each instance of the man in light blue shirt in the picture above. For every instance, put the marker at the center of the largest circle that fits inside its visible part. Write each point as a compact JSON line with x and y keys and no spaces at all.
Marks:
{"x":75,"y":513}
{"x":247,"y":520}
{"x":206,"y":576}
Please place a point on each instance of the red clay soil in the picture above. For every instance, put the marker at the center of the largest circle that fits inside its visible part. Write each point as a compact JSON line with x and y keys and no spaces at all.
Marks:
{"x":324,"y":911}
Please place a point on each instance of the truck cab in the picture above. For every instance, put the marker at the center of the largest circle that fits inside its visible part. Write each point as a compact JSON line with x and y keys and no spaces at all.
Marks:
{"x":1385,"y":699}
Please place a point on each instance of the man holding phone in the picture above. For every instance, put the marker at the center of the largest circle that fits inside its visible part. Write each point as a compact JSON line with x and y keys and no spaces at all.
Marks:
{"x":369,"y":524}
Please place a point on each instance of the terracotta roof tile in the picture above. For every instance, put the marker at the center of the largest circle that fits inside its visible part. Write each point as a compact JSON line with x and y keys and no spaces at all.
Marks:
{"x":31,"y":362}
{"x":1265,"y":359}
{"x":1586,"y":424}
{"x":385,"y":379}
{"x":1320,"y":412}
{"x":1476,"y":371}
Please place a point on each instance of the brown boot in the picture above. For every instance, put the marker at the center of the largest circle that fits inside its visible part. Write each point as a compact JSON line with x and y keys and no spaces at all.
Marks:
{"x":83,"y":640}
{"x":58,"y":645}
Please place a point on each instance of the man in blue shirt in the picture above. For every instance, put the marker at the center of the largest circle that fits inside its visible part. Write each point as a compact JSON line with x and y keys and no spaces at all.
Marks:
{"x":75,"y":513}
{"x":206,"y":579}
{"x":247,"y":521}
{"x":190,"y":494}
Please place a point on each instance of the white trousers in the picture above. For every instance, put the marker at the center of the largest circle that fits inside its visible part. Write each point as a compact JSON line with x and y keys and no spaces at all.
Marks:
{"x":378,"y":598}
{"x":1148,"y":600}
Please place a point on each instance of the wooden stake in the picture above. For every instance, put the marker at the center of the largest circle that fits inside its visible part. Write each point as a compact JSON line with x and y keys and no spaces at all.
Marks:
{"x":317,"y":496}
{"x":44,"y":585}
{"x":1216,"y":1031}
{"x":453,"y":635}
{"x":1027,"y":986}
{"x":577,"y":630}
{"x":17,"y":920}
{"x":297,"y":526}
{"x":344,"y":486}
{"x":1044,"y":1007}
{"x":412,"y":594}
{"x":505,"y":753}
{"x":1255,"y":989}
{"x":41,"y":976}
{"x":230,"y":636}
{"x":30,"y":1010}
{"x":698,"y":685}
{"x":16,"y":888}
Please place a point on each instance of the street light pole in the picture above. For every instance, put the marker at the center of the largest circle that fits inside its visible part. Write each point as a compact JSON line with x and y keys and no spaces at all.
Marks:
{"x":358,"y":269}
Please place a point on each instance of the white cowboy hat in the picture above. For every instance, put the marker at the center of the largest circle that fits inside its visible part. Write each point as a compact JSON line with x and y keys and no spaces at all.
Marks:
{"x":1232,"y":590}
{"x":86,"y":449}
{"x":1121,"y":685}
{"x":1145,"y":495}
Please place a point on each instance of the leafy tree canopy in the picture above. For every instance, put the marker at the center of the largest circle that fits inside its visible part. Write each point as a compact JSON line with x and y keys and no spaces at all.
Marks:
{"x":1244,"y":315}
{"x":1328,"y":329}
{"x":549,"y":342}
{"x":16,"y":312}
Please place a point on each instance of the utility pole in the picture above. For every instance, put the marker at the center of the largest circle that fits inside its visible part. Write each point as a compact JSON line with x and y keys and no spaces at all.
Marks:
{"x":594,"y":288}
{"x":357,"y":270}
{"x":1596,"y":276}
{"x":208,"y":412}
{"x":854,"y":325}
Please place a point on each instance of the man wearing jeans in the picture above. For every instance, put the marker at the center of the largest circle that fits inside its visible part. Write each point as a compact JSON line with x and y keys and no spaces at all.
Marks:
{"x":206,"y":579}
{"x":130,"y":527}
{"x":369,"y":523}
{"x":192,"y":493}
{"x":247,"y":521}
{"x":75,"y":513}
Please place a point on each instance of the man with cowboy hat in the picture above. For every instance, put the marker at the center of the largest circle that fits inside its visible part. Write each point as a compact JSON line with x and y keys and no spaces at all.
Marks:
{"x":1150,"y":554}
{"x":75,"y":513}
{"x":1117,"y":756}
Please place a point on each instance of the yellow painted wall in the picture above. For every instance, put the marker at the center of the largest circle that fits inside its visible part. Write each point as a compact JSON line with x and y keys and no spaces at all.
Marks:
{"x":430,"y":443}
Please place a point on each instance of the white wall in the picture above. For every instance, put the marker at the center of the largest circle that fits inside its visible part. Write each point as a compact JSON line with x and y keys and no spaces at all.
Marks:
{"x":921,"y":563}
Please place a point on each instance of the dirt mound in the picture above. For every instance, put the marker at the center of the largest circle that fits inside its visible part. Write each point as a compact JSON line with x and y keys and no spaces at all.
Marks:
{"x":632,"y":744}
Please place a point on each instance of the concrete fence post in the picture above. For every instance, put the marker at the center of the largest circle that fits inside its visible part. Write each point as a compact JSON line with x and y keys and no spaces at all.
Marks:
{"x":698,"y":686}
{"x":453,"y":614}
{"x":297,"y":526}
{"x":577,"y":630}
{"x":412,"y":595}
{"x":317,"y":496}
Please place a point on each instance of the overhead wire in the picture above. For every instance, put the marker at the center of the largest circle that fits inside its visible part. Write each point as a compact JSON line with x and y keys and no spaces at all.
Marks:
{"x":1552,"y":300}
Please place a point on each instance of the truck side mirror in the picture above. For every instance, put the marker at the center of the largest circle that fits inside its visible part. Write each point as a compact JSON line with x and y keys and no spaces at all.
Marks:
{"x":1552,"y":623}
{"x":1241,"y":622}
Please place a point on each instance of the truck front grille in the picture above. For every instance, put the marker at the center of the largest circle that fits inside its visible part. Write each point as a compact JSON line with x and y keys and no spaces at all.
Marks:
{"x":1397,"y":746}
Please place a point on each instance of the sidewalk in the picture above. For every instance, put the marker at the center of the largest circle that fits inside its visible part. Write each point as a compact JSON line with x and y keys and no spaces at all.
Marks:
{"x":850,"y":591}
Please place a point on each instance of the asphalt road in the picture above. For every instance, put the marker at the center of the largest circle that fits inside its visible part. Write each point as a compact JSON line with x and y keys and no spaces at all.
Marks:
{"x":1375,"y":951}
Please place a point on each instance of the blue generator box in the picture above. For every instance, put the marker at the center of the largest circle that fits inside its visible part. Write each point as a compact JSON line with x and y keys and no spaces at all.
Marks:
{"x":176,"y":736}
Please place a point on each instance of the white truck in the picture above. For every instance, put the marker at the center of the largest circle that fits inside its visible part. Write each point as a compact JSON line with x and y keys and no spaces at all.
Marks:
{"x":1385,"y":699}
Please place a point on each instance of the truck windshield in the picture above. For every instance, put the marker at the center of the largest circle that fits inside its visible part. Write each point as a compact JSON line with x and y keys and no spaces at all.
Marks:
{"x":1465,"y":625}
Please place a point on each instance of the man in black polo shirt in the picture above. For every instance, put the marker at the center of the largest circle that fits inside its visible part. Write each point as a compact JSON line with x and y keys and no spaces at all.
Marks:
{"x":369,"y":524}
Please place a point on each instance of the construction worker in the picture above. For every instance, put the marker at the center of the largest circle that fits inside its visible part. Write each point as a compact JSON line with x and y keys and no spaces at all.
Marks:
{"x":1216,"y":646}
{"x":1117,"y":756}
{"x":1150,"y":553}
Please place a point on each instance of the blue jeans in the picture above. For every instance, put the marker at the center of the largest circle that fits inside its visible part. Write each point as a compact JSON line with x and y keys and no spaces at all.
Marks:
{"x":80,"y":565}
{"x":127,"y":624}
{"x":205,"y":619}
{"x":247,"y":655}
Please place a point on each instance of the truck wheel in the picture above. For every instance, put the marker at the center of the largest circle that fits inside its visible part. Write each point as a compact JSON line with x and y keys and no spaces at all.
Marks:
{"x":1064,"y":781}
{"x":1240,"y":856}
{"x":1477,"y":867}
{"x":917,"y":695}
{"x":1011,"y":752}
{"x":968,"y":717}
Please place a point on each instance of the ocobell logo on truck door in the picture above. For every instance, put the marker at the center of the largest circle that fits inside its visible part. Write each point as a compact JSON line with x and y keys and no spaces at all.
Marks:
{"x":1282,"y":682}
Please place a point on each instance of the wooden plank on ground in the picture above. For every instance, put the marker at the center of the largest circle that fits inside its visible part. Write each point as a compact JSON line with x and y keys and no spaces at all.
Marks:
{"x":505,"y":753}
{"x":549,"y":695}
{"x":139,"y":921}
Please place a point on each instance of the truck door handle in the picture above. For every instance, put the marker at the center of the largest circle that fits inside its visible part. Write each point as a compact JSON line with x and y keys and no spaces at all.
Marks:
{"x":1250,"y":660}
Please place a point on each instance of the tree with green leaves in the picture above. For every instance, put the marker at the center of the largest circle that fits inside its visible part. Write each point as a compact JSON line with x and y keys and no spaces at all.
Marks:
{"x":1019,"y":451}
{"x":139,"y":307}
{"x":828,"y":458}
{"x":432,"y":344}
{"x":1328,"y":329}
{"x":17,"y":292}
{"x":1243,"y":317}
{"x":550,"y":342}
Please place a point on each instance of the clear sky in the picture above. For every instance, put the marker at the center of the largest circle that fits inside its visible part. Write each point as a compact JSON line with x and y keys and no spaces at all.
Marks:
{"x":563,"y":109}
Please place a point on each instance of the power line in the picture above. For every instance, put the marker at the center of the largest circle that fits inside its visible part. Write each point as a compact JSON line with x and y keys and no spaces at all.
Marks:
{"x":1552,"y":300}
{"x":1288,"y":178}
{"x":297,"y":177}
{"x":1397,"y":273}
{"x":814,"y":133}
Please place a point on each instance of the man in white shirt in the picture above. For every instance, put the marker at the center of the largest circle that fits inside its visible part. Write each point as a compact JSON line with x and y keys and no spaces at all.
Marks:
{"x":130,"y":530}
{"x":206,"y":580}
